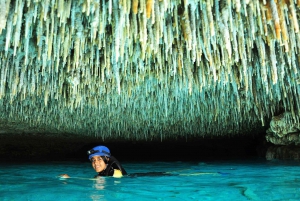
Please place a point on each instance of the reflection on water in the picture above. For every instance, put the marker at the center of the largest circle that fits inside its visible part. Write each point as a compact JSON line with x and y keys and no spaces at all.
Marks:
{"x":102,"y":186}
{"x":99,"y":183}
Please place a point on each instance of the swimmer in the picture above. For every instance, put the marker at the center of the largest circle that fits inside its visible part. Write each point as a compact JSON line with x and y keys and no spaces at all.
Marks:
{"x":107,"y":165}
{"x":103,"y":163}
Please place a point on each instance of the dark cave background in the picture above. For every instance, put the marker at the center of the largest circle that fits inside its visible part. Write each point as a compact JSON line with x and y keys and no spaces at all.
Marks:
{"x":39,"y":148}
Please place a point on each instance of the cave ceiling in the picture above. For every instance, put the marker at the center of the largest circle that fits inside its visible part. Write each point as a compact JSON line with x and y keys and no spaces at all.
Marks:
{"x":148,"y":69}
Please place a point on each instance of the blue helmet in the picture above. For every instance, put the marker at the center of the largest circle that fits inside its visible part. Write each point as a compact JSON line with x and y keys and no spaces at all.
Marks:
{"x":98,"y":151}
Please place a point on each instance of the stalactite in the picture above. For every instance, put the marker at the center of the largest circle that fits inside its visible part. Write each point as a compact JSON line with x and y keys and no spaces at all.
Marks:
{"x":188,"y":71}
{"x":149,"y":8}
{"x":294,"y":16}
{"x":8,"y":32}
{"x":152,"y":61}
{"x":135,"y":4}
{"x":185,"y":27}
{"x":264,"y":19}
{"x":275,"y":16}
{"x":4,"y":9}
{"x":273,"y":61}
{"x":17,"y":31}
{"x":210,"y":18}
{"x":224,"y":28}
{"x":4,"y":71}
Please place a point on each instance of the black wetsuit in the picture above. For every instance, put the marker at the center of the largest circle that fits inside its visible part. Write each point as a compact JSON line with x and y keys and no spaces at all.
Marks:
{"x":112,"y":164}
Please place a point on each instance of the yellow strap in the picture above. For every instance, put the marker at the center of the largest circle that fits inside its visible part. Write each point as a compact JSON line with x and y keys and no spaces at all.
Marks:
{"x":117,"y":173}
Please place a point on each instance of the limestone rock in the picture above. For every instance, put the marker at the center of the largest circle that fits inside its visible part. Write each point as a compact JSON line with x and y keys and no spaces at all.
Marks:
{"x":283,"y":130}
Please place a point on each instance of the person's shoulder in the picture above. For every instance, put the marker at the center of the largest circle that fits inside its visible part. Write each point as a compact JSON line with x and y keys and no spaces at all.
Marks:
{"x":117,"y":173}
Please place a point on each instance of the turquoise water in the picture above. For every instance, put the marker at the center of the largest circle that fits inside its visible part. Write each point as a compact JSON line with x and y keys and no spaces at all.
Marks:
{"x":218,"y":180}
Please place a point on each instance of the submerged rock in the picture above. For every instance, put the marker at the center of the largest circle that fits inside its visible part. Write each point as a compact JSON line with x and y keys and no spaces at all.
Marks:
{"x":283,"y":153}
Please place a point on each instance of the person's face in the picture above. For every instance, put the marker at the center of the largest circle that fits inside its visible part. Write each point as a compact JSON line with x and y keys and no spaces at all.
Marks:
{"x":98,"y":163}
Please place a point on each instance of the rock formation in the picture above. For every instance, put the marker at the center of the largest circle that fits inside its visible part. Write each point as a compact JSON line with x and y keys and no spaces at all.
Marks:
{"x":283,"y":130}
{"x":284,"y":133}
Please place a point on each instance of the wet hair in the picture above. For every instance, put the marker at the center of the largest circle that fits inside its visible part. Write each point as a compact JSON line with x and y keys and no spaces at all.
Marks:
{"x":105,"y":159}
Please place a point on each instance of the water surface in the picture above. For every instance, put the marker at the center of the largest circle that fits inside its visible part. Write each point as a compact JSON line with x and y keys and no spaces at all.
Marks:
{"x":218,"y":180}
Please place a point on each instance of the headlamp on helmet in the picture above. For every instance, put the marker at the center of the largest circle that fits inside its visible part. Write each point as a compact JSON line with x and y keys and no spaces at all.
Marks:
{"x":98,"y":151}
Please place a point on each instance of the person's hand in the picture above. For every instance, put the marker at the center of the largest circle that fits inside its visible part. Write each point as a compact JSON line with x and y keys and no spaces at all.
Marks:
{"x":63,"y":176}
